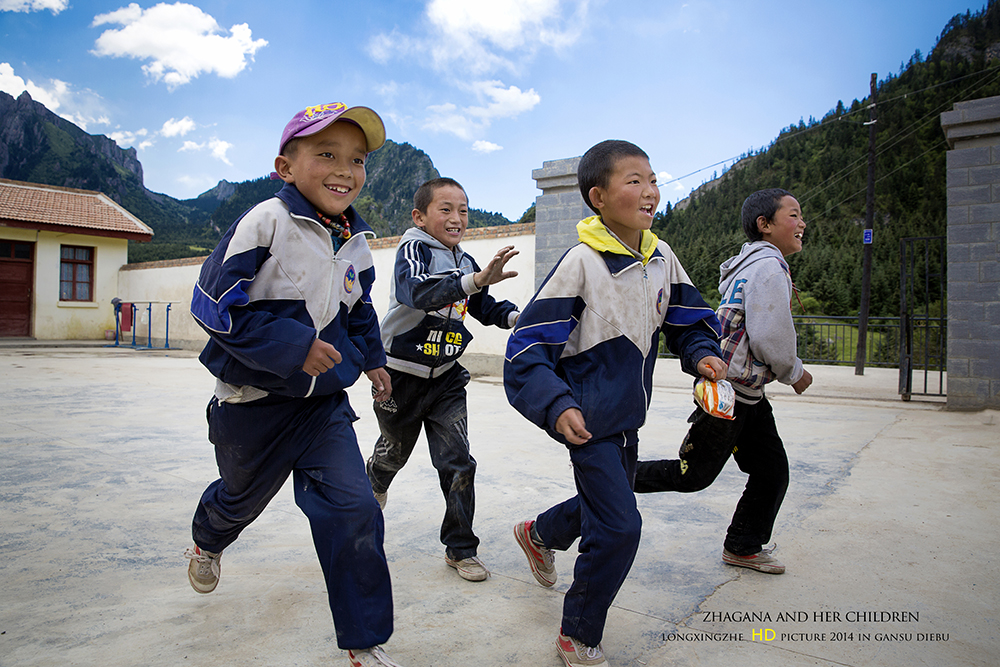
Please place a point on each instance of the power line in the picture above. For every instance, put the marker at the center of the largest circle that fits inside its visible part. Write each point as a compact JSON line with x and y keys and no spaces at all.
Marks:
{"x":795,"y":132}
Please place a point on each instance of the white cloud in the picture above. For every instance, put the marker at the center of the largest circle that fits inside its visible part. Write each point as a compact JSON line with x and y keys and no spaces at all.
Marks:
{"x":180,"y":41}
{"x":503,"y":102}
{"x":496,"y":101}
{"x":177,"y":128}
{"x":481,"y":37}
{"x":485,"y":147}
{"x":14,"y":85}
{"x":82,"y":108}
{"x":216,"y":147}
{"x":664,"y":179}
{"x":54,"y":6}
{"x":125,"y":138}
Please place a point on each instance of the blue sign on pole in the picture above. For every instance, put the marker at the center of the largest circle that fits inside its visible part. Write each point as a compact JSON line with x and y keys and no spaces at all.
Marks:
{"x":868,"y":237}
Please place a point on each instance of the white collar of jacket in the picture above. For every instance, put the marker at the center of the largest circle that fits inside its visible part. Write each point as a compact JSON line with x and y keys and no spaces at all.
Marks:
{"x":299,"y":206}
{"x":595,"y":233}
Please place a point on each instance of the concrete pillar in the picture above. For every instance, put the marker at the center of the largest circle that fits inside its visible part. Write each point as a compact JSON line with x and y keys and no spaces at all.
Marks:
{"x":557,"y":210}
{"x":973,"y":132}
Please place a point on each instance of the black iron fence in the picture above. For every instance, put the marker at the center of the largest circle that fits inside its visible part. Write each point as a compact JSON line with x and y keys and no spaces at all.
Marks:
{"x":833,"y":340}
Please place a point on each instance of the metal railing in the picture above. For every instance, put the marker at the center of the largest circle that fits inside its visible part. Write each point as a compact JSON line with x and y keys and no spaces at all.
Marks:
{"x":833,"y":340}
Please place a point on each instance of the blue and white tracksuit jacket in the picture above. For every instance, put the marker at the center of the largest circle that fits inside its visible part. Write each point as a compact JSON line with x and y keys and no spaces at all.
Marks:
{"x":271,"y":287}
{"x":589,"y":338}
{"x":424,"y":330}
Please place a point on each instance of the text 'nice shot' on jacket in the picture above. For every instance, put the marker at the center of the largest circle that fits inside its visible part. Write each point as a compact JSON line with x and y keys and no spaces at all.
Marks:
{"x":758,"y":334}
{"x":590,"y":336}
{"x":432,"y":291}
{"x":271,"y":287}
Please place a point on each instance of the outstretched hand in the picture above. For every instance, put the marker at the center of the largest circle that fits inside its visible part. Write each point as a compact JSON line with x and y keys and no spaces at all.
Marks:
{"x":494,"y":273}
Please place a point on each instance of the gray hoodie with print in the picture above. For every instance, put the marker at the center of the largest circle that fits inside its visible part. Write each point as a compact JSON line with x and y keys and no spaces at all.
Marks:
{"x":758,"y":335}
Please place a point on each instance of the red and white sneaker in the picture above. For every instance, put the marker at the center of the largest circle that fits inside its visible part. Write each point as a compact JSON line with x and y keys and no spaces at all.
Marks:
{"x":370,"y":657}
{"x":576,"y":654}
{"x":541,"y":560}
{"x":762,"y":561}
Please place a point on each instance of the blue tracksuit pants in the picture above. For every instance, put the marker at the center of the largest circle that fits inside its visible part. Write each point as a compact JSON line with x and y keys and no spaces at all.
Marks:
{"x":604,"y":516}
{"x":257,"y":446}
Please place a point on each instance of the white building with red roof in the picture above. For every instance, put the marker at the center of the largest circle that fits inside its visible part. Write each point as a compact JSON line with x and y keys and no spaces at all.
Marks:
{"x":60,"y":253}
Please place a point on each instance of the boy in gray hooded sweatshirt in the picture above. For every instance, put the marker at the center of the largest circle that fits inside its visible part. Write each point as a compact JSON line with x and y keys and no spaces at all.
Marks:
{"x":435,"y":284}
{"x":758,"y":343}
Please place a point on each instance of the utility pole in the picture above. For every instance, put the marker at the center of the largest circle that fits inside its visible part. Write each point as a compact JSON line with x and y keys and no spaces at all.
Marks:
{"x":866,"y":263}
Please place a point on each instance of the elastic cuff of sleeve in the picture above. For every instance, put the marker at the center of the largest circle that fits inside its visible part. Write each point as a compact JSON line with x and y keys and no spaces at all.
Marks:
{"x":559,"y":406}
{"x":469,"y":284}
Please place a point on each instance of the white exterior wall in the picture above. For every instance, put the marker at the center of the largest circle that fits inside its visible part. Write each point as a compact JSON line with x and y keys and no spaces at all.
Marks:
{"x":160,"y":285}
{"x":52,"y":319}
{"x":167,"y":281}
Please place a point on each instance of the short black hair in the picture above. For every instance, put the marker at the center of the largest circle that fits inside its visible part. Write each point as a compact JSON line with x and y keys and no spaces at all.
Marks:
{"x":761,"y":203}
{"x":598,"y":163}
{"x":424,"y":195}
{"x":291,"y":147}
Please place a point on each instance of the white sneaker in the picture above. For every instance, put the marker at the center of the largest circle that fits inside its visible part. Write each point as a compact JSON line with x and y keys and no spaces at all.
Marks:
{"x":470,"y":569}
{"x":370,"y":657}
{"x":204,"y":569}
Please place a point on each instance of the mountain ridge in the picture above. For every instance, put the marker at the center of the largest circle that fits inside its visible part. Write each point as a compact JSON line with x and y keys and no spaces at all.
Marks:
{"x":38,"y":146}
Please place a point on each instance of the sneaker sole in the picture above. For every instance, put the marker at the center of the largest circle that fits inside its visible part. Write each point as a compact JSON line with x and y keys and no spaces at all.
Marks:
{"x":540,"y":577}
{"x":200,"y":587}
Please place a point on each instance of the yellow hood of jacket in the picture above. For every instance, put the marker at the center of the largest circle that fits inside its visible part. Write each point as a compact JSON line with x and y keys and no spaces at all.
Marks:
{"x":594,"y":233}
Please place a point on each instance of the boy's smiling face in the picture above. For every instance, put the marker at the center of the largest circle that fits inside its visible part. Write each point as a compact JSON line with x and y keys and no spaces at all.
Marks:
{"x":327,"y":167}
{"x":447,"y":215}
{"x":629,"y":201}
{"x":785,"y":229}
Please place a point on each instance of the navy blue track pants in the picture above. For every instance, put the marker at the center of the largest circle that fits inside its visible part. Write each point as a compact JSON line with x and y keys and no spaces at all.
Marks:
{"x":257,"y":446}
{"x":604,"y":516}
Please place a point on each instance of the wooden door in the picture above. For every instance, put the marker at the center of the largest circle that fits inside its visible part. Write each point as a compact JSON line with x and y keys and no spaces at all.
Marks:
{"x":17,"y":260}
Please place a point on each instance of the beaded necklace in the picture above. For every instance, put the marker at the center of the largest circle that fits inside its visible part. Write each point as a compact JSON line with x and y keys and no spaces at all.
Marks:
{"x":339,"y":229}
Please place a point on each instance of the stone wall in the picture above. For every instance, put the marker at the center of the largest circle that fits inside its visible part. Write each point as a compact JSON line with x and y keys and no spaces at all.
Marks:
{"x":973,"y":132}
{"x":557,"y":210}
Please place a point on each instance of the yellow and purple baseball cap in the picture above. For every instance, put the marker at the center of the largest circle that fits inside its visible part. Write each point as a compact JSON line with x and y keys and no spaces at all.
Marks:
{"x":317,"y":118}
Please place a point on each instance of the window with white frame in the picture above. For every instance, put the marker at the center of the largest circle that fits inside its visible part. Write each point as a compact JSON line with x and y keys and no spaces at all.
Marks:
{"x":76,"y":273}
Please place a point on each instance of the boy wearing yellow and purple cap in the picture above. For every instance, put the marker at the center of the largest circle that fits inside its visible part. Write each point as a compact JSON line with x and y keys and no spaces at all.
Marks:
{"x":285,"y":299}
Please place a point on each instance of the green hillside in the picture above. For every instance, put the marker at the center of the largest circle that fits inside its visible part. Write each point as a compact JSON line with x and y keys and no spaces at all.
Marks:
{"x":824,"y":163}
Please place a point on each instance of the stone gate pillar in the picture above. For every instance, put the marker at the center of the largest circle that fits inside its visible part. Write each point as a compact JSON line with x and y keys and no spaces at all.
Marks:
{"x":973,"y":132}
{"x":557,"y":210}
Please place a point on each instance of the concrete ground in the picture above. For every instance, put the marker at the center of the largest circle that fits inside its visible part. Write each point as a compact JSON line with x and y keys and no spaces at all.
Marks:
{"x":889,"y":531}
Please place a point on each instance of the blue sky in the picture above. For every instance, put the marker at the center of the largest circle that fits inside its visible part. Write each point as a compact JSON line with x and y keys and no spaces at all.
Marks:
{"x":488,"y":89}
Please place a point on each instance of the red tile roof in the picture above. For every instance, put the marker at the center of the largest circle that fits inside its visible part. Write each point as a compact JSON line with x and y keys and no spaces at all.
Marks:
{"x":38,"y":206}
